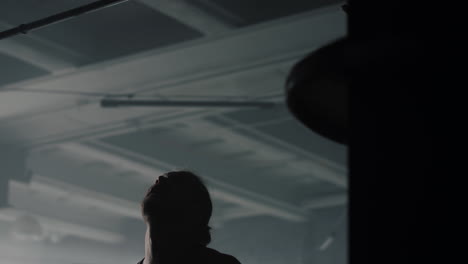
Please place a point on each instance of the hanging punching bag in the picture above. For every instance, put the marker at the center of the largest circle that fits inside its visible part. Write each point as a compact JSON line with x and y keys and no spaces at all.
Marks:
{"x":317,"y":93}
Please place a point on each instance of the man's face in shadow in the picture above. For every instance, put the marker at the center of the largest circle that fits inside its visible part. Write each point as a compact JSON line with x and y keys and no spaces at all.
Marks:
{"x":162,"y":234}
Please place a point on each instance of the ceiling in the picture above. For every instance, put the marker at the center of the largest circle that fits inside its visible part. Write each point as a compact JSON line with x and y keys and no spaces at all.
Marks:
{"x":83,"y":168}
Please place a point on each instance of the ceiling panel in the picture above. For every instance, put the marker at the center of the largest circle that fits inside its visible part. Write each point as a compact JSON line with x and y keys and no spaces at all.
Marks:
{"x":14,"y":70}
{"x":247,"y":12}
{"x":116,"y":31}
{"x":255,"y":116}
{"x":88,"y":173}
{"x":229,"y":155}
{"x":16,"y":12}
{"x":297,"y":135}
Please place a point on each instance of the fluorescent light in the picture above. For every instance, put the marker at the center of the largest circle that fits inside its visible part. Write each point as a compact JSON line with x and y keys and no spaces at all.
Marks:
{"x":326,"y":244}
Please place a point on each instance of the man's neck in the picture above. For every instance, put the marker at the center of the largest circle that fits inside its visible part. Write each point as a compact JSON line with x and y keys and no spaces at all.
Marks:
{"x":171,"y":254}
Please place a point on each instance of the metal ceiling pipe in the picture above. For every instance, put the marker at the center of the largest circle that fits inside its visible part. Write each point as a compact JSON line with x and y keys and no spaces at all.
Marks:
{"x":106,"y":103}
{"x":60,"y":17}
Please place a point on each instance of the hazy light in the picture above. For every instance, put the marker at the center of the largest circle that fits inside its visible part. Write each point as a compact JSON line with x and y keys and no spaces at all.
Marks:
{"x":326,"y":244}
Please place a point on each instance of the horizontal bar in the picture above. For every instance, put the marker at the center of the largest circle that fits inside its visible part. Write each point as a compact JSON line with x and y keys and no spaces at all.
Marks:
{"x":59,"y":17}
{"x":184,"y":103}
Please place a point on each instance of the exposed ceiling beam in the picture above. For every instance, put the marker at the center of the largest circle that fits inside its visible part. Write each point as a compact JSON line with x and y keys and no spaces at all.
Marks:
{"x":250,"y":46}
{"x":239,"y":212}
{"x":31,"y":55}
{"x":326,"y":201}
{"x":190,"y":15}
{"x":63,"y":228}
{"x":273,"y":208}
{"x":218,"y":190}
{"x":117,"y":123}
{"x":322,"y":169}
{"x":226,"y":13}
{"x":54,"y":188}
{"x":83,"y":151}
{"x":116,"y":128}
{"x":252,"y":53}
{"x":39,"y":52}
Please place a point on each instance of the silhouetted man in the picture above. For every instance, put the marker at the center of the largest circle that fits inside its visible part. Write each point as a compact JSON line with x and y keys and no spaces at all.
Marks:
{"x":177,"y":209}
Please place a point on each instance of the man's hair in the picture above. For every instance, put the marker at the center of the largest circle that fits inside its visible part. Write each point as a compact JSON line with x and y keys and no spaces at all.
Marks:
{"x":178,"y":204}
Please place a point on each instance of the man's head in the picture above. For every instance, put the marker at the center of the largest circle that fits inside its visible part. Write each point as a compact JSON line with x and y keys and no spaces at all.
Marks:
{"x":177,"y":209}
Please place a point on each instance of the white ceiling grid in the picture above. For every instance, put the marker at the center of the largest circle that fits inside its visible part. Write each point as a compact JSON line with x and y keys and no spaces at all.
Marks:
{"x":77,"y":146}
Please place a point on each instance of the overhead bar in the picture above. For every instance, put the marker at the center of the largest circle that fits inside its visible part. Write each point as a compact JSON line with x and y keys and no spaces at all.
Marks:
{"x":60,"y":17}
{"x":106,"y":103}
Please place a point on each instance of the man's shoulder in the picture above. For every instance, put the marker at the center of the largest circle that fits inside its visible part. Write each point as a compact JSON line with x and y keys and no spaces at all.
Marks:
{"x":221,"y":258}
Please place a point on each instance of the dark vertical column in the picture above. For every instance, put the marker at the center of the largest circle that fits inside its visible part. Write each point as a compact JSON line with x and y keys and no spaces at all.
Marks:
{"x":390,"y":142}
